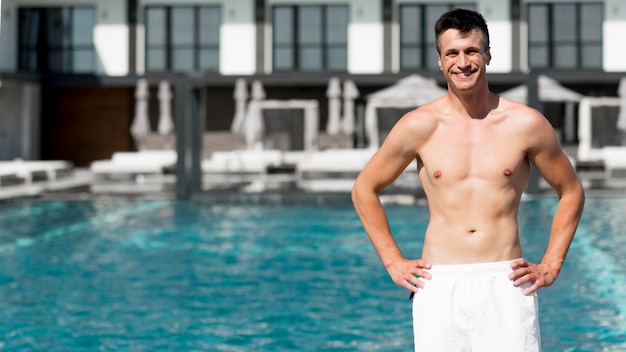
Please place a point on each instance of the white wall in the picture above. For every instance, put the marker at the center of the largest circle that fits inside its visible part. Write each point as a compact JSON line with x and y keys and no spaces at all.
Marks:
{"x":111,"y":37}
{"x":614,"y":50}
{"x":238,"y":38}
{"x":365,"y":37}
{"x":497,"y":16}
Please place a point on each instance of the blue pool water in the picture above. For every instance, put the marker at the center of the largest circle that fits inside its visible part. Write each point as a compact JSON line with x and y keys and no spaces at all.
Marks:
{"x":179,"y":276}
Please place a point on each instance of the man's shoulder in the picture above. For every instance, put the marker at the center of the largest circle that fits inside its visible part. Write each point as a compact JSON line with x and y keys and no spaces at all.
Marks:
{"x":422,"y":118}
{"x":521,"y":114}
{"x":427,"y":112}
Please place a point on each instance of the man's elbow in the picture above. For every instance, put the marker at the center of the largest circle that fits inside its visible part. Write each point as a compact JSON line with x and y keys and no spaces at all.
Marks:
{"x":356,"y":191}
{"x":361,"y":188}
{"x":580,"y":191}
{"x":575,"y":193}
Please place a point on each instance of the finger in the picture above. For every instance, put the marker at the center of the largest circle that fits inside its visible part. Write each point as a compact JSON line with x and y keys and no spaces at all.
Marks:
{"x":519,"y":272}
{"x":522,"y":279}
{"x":421,"y":269}
{"x":414,"y":281}
{"x":424,"y":264}
{"x":530,"y":290}
{"x":419,"y":283}
{"x":409,"y":286}
{"x":423,"y":274}
{"x":518,"y":263}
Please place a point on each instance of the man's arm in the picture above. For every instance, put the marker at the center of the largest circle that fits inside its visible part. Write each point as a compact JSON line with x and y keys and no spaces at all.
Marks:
{"x":386,"y":165}
{"x":554,"y":165}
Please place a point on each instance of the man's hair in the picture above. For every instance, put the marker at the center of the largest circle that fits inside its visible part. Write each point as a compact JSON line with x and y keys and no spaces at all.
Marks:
{"x":463,"y":20}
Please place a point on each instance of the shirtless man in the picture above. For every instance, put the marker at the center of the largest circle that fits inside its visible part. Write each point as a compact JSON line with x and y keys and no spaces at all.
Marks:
{"x":472,"y":288}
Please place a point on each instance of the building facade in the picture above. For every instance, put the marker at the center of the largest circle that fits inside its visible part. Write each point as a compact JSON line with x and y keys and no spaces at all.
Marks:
{"x":69,"y":67}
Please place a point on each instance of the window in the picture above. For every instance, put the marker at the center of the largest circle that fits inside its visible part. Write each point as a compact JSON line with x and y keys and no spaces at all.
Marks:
{"x":418,"y":48}
{"x":565,"y":36}
{"x":310,"y":38}
{"x":182,"y":38}
{"x":56,"y":39}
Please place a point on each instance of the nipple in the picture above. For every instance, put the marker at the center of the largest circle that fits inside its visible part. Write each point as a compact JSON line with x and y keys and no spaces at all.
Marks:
{"x":507,"y":172}
{"x":437,"y":174}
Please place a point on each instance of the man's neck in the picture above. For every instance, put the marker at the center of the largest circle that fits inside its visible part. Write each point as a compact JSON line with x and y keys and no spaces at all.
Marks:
{"x":475,"y":103}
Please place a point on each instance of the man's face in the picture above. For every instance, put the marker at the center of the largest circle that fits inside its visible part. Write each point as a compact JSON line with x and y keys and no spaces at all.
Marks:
{"x":463,"y":58}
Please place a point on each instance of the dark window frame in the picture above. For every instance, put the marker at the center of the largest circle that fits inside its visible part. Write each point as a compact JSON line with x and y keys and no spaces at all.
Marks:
{"x":42,"y":47}
{"x":296,"y":45}
{"x":169,"y":47}
{"x":551,"y":44}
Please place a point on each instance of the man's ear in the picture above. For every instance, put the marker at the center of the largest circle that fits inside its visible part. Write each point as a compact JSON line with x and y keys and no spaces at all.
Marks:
{"x":488,"y":56}
{"x":439,"y":63}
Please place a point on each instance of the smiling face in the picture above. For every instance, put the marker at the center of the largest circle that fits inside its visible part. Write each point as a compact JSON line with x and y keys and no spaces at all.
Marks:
{"x":463,"y":58}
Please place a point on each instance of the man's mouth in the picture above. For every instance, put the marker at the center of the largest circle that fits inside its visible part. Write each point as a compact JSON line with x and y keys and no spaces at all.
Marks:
{"x":464,"y":74}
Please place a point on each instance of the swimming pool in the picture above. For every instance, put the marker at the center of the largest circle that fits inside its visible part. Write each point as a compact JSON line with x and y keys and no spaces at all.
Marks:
{"x":167,"y":275}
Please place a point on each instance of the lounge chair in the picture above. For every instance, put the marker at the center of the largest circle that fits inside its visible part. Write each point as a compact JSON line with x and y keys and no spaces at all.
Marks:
{"x":597,"y":127}
{"x":331,"y":170}
{"x":240,"y":168}
{"x":28,"y":172}
{"x":614,"y":160}
{"x":132,"y":164}
{"x":334,"y":170}
{"x":20,"y":178}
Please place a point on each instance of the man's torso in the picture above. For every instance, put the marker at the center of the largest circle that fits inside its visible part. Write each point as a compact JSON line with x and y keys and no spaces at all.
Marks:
{"x":473,"y":172}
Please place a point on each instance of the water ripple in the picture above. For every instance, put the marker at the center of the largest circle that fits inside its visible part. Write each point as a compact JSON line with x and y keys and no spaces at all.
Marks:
{"x":177,"y":276}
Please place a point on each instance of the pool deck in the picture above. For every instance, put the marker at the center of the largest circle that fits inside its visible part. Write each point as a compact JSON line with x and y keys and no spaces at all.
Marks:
{"x":274,"y":189}
{"x":78,"y":179}
{"x":81,"y":187}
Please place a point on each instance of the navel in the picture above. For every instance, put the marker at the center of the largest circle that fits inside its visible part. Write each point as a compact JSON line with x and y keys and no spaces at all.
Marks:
{"x":437,"y":174}
{"x":507,"y":172}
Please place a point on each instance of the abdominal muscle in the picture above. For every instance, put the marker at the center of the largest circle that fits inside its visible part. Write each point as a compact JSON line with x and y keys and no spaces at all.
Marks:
{"x":472,"y":225}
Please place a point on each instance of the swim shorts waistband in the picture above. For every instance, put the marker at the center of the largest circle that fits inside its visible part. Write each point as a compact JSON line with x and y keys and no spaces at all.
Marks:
{"x":475,"y":269}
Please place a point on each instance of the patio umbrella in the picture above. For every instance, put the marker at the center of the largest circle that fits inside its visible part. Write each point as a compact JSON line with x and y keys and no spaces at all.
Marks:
{"x":241,"y":98}
{"x":409,"y":92}
{"x":413,"y":89}
{"x":549,"y":90}
{"x":621,"y":118}
{"x":166,"y":122}
{"x":333,"y":93}
{"x":350,"y":93}
{"x":141,"y":123}
{"x":254,"y":118}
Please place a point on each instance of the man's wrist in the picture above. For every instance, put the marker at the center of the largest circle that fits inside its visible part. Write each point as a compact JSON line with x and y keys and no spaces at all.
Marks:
{"x":388,"y":263}
{"x":553,"y":268}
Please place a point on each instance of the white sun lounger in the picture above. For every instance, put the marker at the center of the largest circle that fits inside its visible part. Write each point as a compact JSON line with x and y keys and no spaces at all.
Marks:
{"x":28,"y":172}
{"x":614,"y":159}
{"x":131,"y":164}
{"x":334,"y":170}
{"x":331,"y":170}
{"x":236,"y":167}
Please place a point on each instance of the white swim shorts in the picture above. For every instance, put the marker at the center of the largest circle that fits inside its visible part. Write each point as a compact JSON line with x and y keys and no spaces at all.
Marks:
{"x":474,"y":307}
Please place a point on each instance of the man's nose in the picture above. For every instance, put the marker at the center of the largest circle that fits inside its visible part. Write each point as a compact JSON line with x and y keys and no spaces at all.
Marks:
{"x":463,"y":61}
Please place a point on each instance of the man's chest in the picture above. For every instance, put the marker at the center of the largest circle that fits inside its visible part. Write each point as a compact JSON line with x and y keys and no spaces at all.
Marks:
{"x":460,"y":154}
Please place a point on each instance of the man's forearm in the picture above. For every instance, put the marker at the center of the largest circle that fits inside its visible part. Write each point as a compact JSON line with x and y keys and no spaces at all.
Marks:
{"x":564,"y":224}
{"x":376,"y":225}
